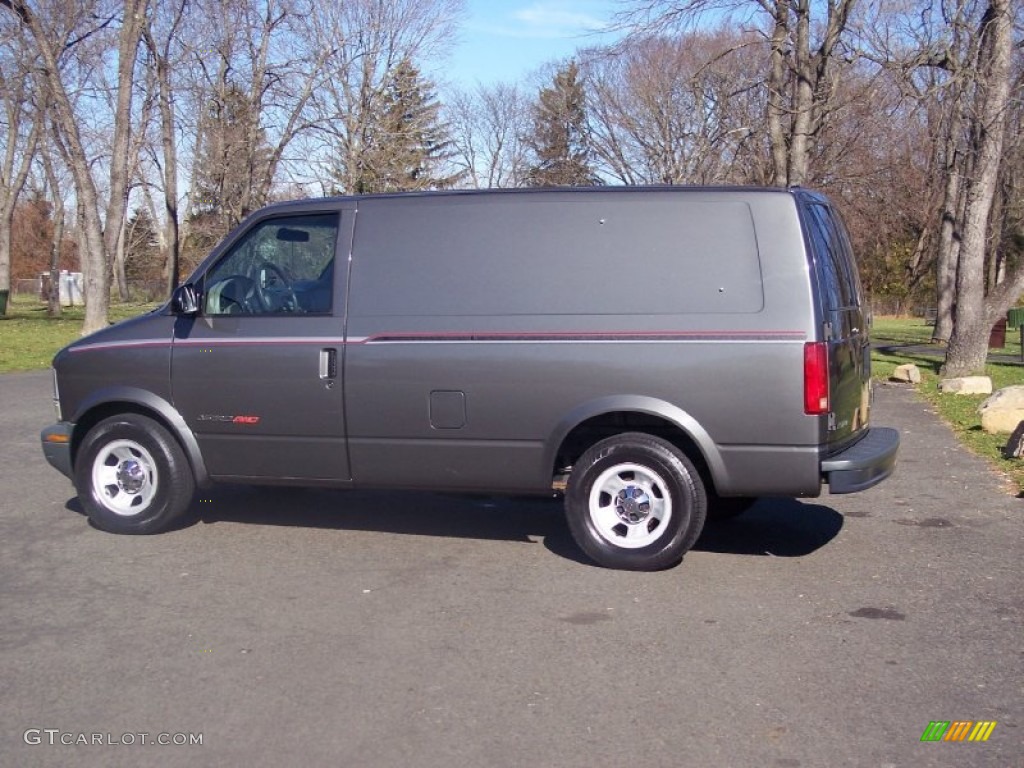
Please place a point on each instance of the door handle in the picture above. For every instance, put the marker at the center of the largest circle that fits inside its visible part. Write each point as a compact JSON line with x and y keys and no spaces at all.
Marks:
{"x":328,"y":363}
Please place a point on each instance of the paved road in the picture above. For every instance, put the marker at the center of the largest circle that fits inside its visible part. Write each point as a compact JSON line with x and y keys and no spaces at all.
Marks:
{"x":323,"y":628}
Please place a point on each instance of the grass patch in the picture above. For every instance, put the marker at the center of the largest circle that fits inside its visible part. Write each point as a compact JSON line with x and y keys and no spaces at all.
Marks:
{"x":29,"y":338}
{"x":914,"y":330}
{"x":959,"y":411}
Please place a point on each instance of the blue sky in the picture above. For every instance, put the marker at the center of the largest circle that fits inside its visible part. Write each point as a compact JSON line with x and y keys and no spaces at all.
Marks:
{"x":507,"y":40}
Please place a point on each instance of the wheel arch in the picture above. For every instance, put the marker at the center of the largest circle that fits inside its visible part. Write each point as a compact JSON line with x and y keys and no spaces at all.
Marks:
{"x":604,"y":417}
{"x":118,"y":400}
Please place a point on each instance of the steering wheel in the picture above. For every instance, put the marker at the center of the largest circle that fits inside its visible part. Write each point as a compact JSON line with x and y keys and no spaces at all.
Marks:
{"x":234,"y":295}
{"x":273,"y":289}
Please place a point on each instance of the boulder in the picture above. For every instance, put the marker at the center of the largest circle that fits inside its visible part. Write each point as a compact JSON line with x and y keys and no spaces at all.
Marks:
{"x":1003,"y":411}
{"x":968,"y":385}
{"x":907,"y":372}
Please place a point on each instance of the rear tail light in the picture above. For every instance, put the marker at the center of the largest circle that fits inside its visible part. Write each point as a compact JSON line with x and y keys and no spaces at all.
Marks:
{"x":816,"y":400}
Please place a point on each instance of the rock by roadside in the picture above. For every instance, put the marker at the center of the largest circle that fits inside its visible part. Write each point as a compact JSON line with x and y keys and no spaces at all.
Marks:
{"x":908,"y":372}
{"x":1003,"y":411}
{"x":967,"y":385}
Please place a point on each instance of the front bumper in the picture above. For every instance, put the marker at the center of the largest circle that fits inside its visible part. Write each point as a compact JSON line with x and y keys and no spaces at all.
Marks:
{"x":56,"y":441}
{"x":865,"y":463}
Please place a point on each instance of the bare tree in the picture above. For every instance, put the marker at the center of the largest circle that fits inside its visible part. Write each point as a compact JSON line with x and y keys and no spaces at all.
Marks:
{"x":934,"y":51}
{"x":675,"y":109}
{"x":56,"y":195}
{"x":19,"y":135}
{"x":488,"y":125}
{"x":876,"y":162}
{"x":57,"y":29}
{"x":804,"y":55}
{"x":368,"y":40}
{"x":1007,"y":251}
{"x":955,"y":60}
{"x":162,"y":36}
{"x":256,"y":70}
{"x":974,"y":313}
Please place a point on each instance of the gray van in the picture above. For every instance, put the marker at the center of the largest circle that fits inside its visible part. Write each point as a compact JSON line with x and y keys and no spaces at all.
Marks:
{"x":657,"y":355}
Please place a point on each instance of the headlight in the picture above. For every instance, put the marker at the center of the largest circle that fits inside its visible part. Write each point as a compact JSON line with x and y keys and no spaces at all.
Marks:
{"x":56,"y":395}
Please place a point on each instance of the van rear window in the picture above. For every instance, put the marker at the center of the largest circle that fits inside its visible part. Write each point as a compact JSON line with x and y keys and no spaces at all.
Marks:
{"x":833,"y":259}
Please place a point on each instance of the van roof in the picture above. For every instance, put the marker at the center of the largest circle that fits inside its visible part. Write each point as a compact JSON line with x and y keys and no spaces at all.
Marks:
{"x":554,"y":191}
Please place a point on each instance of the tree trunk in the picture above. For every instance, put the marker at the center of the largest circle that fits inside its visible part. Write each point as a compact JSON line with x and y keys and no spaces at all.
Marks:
{"x":968,"y":346}
{"x":918,"y":264}
{"x":776,"y":103}
{"x":53,"y":297}
{"x":53,"y":308}
{"x":802,"y":99}
{"x":94,"y":264}
{"x":99,"y":235}
{"x":170,"y":240}
{"x":172,"y":247}
{"x":120,"y":276}
{"x":13,"y":176}
{"x":946,"y":260}
{"x":95,"y":270}
{"x":995,"y":271}
{"x":129,"y":40}
{"x":6,"y":221}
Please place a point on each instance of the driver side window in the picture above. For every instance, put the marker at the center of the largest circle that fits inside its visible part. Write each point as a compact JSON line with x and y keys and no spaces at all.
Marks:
{"x":281,"y":266}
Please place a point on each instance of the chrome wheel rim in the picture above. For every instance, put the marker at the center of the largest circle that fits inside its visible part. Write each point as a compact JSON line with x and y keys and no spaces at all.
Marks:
{"x":630,"y":506}
{"x":124,"y":477}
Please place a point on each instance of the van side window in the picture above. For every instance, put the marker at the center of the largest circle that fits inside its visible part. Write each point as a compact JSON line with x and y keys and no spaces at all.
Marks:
{"x":282,"y":266}
{"x":834,"y":261}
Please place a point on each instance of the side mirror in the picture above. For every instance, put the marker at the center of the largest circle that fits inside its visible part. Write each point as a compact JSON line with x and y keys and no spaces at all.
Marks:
{"x":185,"y":300}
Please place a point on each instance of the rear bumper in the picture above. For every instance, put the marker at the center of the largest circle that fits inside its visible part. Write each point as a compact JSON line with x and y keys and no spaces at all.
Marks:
{"x":865,"y":463}
{"x":56,"y":441}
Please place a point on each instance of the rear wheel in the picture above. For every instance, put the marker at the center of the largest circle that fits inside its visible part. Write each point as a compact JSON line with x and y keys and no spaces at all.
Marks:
{"x":635,"y":502}
{"x":132,"y":476}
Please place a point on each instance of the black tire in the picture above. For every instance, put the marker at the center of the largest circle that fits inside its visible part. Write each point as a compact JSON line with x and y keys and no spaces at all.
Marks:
{"x":132,"y":476}
{"x":727,"y":508}
{"x":614,"y":529}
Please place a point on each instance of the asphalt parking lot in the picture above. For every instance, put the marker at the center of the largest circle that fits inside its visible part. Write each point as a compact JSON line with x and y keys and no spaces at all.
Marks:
{"x":360,"y":629}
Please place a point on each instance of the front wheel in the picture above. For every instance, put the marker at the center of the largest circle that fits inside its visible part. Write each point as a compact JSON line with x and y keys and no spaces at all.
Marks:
{"x":132,"y":476}
{"x":635,"y":502}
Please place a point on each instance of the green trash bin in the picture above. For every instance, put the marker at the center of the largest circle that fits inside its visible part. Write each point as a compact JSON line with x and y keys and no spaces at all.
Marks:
{"x":1015,"y":319}
{"x":3,"y":302}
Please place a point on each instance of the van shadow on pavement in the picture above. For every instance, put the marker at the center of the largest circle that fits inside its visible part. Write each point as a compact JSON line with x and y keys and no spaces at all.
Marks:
{"x":933,"y":355}
{"x":773,"y":527}
{"x":776,"y":527}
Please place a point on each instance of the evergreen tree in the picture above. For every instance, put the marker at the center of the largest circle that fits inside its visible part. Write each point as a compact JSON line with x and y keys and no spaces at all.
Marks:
{"x":405,"y":145}
{"x":143,"y":260}
{"x":234,"y":157}
{"x":559,"y":140}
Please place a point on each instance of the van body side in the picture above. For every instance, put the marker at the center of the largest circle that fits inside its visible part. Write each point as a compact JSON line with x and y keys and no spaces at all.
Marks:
{"x":650,"y":353}
{"x":543,"y":313}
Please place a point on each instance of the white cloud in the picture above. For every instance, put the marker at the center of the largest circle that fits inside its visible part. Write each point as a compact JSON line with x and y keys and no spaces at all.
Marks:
{"x":546,"y":20}
{"x":557,"y":17}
